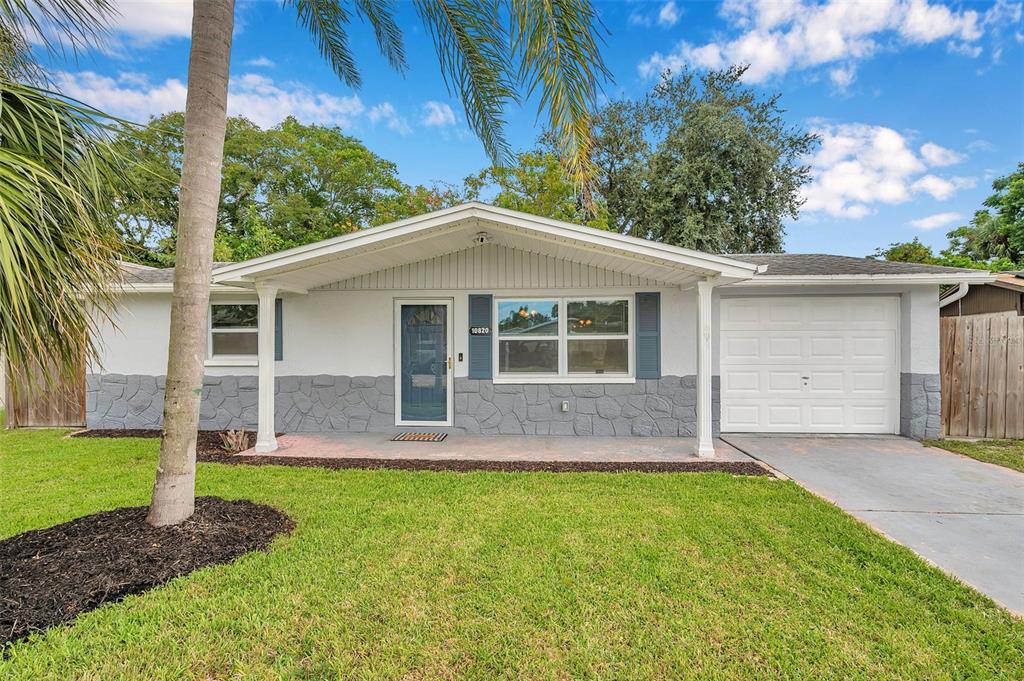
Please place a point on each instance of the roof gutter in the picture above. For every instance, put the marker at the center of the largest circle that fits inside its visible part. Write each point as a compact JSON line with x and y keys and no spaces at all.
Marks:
{"x":961,"y":291}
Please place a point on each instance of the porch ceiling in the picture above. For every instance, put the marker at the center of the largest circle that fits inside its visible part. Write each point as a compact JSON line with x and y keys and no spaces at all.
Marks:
{"x":455,"y":229}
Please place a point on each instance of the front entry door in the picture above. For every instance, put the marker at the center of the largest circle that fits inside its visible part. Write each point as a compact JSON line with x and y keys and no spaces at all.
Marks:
{"x":424,"y":361}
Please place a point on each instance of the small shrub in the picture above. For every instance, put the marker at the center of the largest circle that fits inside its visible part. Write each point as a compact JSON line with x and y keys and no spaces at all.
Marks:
{"x":234,"y":441}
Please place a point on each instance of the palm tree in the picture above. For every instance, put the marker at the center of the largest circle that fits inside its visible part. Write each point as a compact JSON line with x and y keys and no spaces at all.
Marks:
{"x":58,"y":184}
{"x":492,"y":52}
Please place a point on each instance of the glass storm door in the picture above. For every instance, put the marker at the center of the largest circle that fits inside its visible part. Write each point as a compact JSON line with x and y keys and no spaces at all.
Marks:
{"x":424,"y":362}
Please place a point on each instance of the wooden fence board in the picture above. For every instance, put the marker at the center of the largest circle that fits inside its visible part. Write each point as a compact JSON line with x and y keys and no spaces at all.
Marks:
{"x":979,"y":379}
{"x":960,"y":382}
{"x":995,"y":425}
{"x":947,"y":338}
{"x":1015,"y":378}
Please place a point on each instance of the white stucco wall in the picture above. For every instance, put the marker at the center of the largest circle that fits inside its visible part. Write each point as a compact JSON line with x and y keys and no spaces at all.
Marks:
{"x":351,"y":333}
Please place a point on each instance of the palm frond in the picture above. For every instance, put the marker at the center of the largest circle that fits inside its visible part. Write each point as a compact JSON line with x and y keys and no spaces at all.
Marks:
{"x":557,"y":45}
{"x":58,"y":251}
{"x":57,"y":24}
{"x":473,"y":47}
{"x":381,"y":15}
{"x":327,"y":22}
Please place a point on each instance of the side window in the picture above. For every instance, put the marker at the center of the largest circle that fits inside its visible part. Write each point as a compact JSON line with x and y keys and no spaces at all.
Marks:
{"x":233,"y":330}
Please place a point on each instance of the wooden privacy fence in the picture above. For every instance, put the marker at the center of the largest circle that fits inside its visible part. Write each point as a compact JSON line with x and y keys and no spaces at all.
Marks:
{"x":49,"y":404}
{"x":982,"y":367}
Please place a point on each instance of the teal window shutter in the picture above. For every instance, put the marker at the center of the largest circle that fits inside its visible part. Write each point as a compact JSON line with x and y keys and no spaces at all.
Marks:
{"x":278,"y":330}
{"x":480,"y":360}
{"x":648,"y":335}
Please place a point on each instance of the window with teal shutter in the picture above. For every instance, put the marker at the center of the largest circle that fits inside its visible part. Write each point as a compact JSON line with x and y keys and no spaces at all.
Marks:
{"x":648,"y":335}
{"x":480,"y":360}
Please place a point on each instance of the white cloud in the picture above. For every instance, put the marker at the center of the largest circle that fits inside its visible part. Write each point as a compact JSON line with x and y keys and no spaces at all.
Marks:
{"x":843,"y":76}
{"x":386,"y":112}
{"x":859,"y":166}
{"x":935,"y":221}
{"x":776,"y":36}
{"x":980,"y":145}
{"x":437,"y":114}
{"x":140,"y":22}
{"x":130,"y":95}
{"x":668,"y":15}
{"x":258,"y":98}
{"x":941,"y":188}
{"x":261,"y":61}
{"x":934,"y":155}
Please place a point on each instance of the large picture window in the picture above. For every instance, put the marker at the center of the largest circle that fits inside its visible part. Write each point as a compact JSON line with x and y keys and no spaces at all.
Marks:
{"x":563,"y":337}
{"x":234,"y":330}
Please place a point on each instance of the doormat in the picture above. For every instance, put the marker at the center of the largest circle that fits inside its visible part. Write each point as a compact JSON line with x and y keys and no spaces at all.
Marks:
{"x":419,"y":437}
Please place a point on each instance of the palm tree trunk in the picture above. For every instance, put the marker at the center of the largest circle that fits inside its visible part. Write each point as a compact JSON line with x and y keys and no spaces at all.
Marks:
{"x":205,"y":123}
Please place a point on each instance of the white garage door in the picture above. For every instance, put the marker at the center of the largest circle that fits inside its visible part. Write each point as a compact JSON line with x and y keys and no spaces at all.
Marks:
{"x":817,"y":364}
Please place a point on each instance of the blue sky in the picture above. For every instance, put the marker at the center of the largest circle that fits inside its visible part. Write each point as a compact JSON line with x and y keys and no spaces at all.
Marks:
{"x":918,"y":102}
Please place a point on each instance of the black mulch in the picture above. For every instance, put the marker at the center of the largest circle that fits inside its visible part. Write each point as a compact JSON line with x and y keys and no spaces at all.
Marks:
{"x":465,"y":466}
{"x":209,"y":450}
{"x":48,"y":577}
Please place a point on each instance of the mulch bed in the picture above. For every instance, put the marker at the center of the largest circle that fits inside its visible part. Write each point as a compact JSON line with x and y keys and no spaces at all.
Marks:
{"x":49,"y":576}
{"x":209,"y":450}
{"x":465,"y":466}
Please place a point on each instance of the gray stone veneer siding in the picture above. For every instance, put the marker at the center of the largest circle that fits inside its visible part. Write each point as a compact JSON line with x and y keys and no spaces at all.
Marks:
{"x":920,"y":405}
{"x":665,"y":407}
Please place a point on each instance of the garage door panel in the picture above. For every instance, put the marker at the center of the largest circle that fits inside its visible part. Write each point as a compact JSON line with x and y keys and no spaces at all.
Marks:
{"x":815,"y":364}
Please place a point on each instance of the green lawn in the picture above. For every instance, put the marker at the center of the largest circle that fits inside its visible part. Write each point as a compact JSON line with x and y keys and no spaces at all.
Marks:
{"x":1009,"y":453}
{"x":428,"y":575}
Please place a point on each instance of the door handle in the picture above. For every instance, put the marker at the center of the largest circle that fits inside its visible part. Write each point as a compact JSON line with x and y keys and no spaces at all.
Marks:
{"x":449,"y":362}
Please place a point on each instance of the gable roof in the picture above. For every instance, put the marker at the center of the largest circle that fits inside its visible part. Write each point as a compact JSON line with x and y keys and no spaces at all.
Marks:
{"x":456,"y":228}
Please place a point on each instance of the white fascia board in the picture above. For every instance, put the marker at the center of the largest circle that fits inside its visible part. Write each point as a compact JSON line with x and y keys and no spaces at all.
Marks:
{"x":169,"y":288}
{"x":865,"y":279}
{"x":583,"y":235}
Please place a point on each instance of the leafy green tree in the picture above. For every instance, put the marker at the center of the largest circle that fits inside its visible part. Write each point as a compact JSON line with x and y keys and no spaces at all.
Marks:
{"x":703,"y":163}
{"x":996,"y":232}
{"x":286,"y":186}
{"x":536,"y":183}
{"x":906,"y":251}
{"x":492,"y":53}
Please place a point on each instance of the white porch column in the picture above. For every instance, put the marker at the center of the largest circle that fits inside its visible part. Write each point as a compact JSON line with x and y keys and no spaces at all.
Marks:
{"x":265,"y":439}
{"x":705,"y":443}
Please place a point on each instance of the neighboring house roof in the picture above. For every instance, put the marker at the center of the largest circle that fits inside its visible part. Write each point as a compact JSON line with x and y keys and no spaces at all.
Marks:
{"x":1011,"y":280}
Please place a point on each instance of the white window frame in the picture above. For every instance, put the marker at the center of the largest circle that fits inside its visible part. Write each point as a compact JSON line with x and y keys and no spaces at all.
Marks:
{"x":231,"y":360}
{"x":563,"y":338}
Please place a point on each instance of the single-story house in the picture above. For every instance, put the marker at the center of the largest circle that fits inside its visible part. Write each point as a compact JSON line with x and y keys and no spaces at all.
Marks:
{"x":484,"y":320}
{"x":1004,"y":295}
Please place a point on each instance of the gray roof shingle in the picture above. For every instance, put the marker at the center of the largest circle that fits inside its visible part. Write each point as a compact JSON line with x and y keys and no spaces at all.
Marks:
{"x":811,"y":264}
{"x":135,"y":273}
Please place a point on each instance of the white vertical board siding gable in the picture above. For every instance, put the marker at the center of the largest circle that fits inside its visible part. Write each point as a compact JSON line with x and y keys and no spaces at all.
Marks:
{"x":492,"y":266}
{"x":825,"y":364}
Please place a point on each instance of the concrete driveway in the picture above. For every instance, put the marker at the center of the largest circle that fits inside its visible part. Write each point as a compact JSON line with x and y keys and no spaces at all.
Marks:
{"x":965,"y":516}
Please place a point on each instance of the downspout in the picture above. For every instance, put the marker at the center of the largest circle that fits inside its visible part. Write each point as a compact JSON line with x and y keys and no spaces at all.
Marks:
{"x":960,"y":293}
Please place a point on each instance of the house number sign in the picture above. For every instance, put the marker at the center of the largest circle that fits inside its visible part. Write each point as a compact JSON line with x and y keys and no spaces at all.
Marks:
{"x":479,"y":331}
